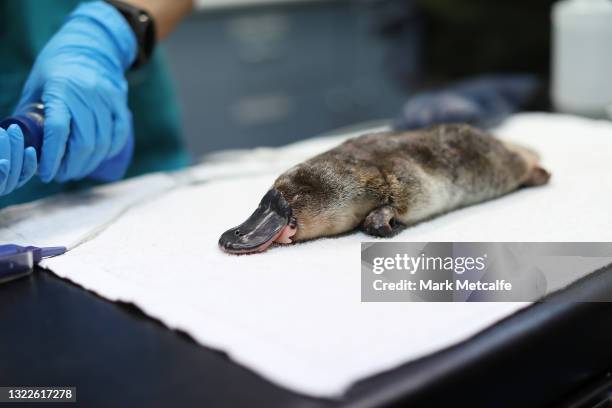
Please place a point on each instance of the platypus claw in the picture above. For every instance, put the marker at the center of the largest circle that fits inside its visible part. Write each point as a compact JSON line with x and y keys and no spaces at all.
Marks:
{"x":381,"y":222}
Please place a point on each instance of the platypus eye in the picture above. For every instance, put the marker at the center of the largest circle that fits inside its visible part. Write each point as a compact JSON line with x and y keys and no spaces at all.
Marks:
{"x":292,"y":222}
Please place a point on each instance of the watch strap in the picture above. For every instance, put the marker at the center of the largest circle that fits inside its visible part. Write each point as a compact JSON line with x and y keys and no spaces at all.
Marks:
{"x":143,"y":26}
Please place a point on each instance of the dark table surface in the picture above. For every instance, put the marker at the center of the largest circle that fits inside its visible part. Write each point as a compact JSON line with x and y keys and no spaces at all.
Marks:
{"x":53,"y":333}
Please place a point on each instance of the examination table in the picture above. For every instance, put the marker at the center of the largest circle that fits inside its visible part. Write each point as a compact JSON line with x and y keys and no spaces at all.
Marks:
{"x":552,"y":352}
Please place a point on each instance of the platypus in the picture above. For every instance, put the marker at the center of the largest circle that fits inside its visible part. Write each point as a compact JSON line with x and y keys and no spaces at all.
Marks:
{"x":384,"y":182}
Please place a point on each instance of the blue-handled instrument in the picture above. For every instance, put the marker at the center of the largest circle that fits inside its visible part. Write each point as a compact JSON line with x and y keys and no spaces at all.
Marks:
{"x":31,"y":121}
{"x":17,"y":261}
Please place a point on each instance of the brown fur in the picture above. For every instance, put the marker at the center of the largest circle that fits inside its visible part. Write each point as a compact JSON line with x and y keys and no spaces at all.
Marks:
{"x":409,"y":176}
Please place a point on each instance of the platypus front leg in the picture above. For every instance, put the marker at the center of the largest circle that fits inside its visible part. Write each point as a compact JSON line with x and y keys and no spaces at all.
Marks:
{"x":382,"y":222}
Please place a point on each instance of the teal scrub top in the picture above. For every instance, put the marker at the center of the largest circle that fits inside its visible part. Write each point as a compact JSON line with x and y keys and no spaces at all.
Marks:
{"x":25,"y":28}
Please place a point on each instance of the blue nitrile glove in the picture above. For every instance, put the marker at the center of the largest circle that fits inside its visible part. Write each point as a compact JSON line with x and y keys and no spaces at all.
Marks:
{"x":17,"y":165}
{"x":79,"y":77}
{"x":483,"y":102}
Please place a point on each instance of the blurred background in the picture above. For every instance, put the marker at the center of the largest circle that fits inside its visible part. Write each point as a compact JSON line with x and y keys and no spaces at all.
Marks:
{"x":272,"y":72}
{"x":268,"y":72}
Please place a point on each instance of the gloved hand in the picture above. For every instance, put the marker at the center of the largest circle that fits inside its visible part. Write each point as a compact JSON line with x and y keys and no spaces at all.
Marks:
{"x":17,"y":165}
{"x":79,"y":77}
{"x":483,"y":102}
{"x":427,"y":109}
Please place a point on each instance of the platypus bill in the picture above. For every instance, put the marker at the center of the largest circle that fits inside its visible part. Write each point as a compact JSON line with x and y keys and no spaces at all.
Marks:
{"x":384,"y":182}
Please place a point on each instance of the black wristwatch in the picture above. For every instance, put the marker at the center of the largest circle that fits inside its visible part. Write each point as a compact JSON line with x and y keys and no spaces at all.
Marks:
{"x":143,"y":26}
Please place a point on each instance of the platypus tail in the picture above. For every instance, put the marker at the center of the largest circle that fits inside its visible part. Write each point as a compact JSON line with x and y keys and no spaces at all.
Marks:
{"x":536,"y":175}
{"x":530,"y":156}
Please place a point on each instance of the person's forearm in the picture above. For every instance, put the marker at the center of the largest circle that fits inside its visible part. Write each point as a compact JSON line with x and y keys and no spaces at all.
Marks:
{"x":166,"y":13}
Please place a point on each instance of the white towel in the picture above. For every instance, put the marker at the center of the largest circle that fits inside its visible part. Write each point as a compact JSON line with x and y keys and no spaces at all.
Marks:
{"x":293,"y":314}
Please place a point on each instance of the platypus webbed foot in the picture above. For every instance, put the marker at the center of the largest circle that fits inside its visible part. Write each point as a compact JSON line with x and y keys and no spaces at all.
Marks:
{"x":381,"y":222}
